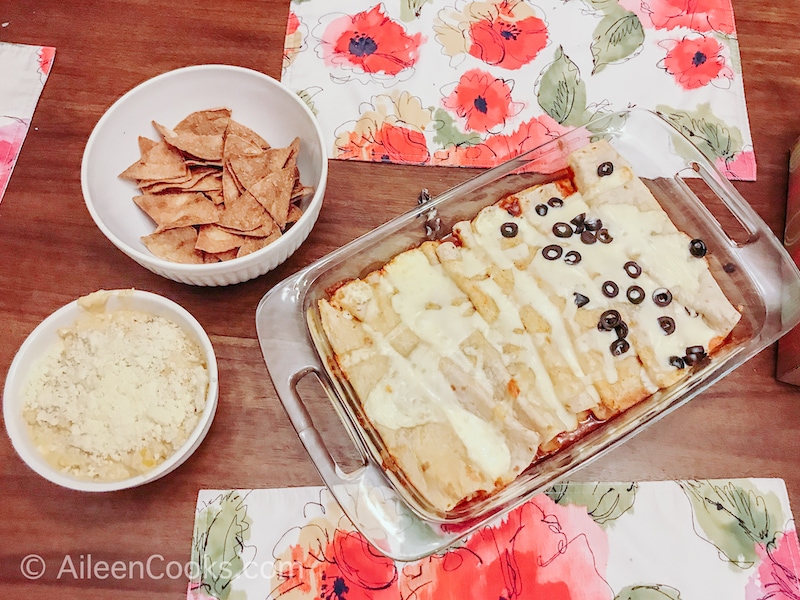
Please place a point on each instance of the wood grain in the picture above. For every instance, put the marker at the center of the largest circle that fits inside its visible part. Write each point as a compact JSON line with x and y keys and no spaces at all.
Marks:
{"x":746,"y":425}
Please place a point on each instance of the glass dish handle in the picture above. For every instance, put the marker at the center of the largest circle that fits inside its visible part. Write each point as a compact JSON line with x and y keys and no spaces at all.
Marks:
{"x":289,"y":357}
{"x":734,"y":202}
{"x":778,"y":274}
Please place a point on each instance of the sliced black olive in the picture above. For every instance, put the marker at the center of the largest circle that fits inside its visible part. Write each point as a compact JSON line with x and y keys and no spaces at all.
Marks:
{"x":632,"y":268}
{"x":541,"y":209}
{"x":578,"y":222}
{"x":621,"y":330}
{"x":635,"y":294}
{"x":562,"y":230}
{"x":729,"y":268}
{"x":694,"y":354}
{"x":552,"y":252}
{"x":677,"y":362}
{"x":604,"y":237}
{"x":580,"y":299}
{"x":691,"y":312}
{"x":609,"y":320}
{"x":697,"y":248}
{"x":573,"y":257}
{"x":509,"y":230}
{"x":593,"y":224}
{"x":610,"y":289}
{"x":619,"y":346}
{"x":605,"y":169}
{"x":555,"y":202}
{"x":662,"y":297}
{"x":588,"y":237}
{"x":667,"y":324}
{"x":693,"y":359}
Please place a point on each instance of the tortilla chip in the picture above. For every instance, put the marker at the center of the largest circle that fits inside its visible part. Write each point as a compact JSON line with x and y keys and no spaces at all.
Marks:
{"x":176,"y":245}
{"x":172,"y":181}
{"x":249,"y":169}
{"x":212,"y":257}
{"x":236,"y":145}
{"x":199,"y":162}
{"x":161,"y":161}
{"x":300,"y":191}
{"x":245,"y":214}
{"x":213,"y":121}
{"x":291,"y":159}
{"x":215,"y":196}
{"x":209,"y":181}
{"x":242,"y":131}
{"x":252,"y":244}
{"x":274,"y":192}
{"x":207,"y":147}
{"x":263,"y":230}
{"x":212,"y":238}
{"x":178,"y":210}
{"x":199,"y":179}
{"x":145,"y":144}
{"x":277,"y":157}
{"x":231,"y":188}
{"x":295,"y":212}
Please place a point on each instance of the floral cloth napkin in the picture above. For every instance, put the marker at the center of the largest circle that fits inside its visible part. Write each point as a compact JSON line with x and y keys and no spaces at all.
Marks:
{"x":23,"y":72}
{"x":665,"y":540}
{"x":472,"y":83}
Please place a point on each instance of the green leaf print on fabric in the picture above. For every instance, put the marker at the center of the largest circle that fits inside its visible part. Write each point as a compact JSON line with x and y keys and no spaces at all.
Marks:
{"x":448,"y":134}
{"x":735,"y":517}
{"x":618,"y":37}
{"x":221,"y":531}
{"x":411,"y":9}
{"x":648,"y":592}
{"x":604,"y":502}
{"x":734,"y":56}
{"x":308,"y":97}
{"x":714,"y":138}
{"x":561,"y":92}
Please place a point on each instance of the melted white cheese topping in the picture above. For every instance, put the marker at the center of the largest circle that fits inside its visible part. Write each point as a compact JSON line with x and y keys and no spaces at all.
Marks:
{"x":415,"y":391}
{"x":485,"y":280}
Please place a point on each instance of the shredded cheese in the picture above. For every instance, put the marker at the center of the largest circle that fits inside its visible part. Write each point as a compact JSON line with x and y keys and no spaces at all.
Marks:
{"x":119,"y":394}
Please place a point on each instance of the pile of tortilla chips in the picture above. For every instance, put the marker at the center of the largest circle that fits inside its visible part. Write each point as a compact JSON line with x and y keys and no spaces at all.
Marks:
{"x":215,"y":189}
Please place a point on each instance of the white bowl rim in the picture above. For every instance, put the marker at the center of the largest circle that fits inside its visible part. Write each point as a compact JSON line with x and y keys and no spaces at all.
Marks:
{"x":208,"y":269}
{"x":178,"y":457}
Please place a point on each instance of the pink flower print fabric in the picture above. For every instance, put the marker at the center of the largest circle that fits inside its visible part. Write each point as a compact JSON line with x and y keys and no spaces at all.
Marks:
{"x":695,"y":62}
{"x":654,"y":540}
{"x":476,"y":82}
{"x":23,"y":72}
{"x":505,"y":34}
{"x":483,"y":102}
{"x":369,"y":42}
{"x":11,"y":136}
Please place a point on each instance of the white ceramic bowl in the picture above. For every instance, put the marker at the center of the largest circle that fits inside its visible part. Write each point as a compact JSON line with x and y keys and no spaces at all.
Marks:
{"x":256,"y":100}
{"x":45,"y":336}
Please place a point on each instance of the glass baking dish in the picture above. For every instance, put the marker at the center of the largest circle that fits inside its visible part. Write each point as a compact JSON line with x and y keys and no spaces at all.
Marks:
{"x":746,"y":258}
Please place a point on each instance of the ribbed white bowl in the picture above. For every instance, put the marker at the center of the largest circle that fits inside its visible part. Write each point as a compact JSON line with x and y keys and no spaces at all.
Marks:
{"x":256,"y":100}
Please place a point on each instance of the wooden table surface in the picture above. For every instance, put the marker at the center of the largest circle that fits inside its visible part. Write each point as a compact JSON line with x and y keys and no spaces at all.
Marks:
{"x":52,"y":253}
